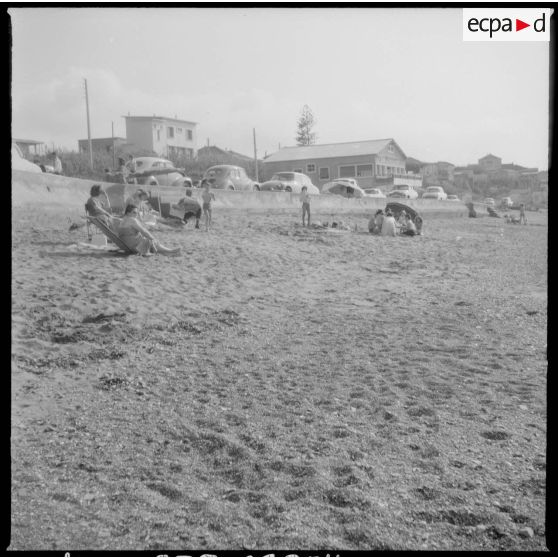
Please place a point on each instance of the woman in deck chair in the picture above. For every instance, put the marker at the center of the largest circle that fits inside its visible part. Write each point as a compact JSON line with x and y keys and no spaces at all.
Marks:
{"x":138,"y":238}
{"x":94,"y":205}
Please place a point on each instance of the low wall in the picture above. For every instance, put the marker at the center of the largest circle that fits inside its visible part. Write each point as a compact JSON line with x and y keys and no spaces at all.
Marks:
{"x":60,"y":191}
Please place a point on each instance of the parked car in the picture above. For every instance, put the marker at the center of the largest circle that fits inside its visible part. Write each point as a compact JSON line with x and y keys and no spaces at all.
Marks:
{"x":154,"y":171}
{"x":374,"y":193}
{"x":19,"y":162}
{"x":506,"y":203}
{"x":435,"y":193}
{"x":453,"y":197}
{"x":229,"y":177}
{"x":289,"y":182}
{"x":489,"y":201}
{"x":403,"y":191}
{"x":343,"y":188}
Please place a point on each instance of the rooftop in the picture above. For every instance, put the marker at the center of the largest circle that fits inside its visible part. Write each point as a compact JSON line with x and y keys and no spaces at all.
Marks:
{"x":328,"y":150}
{"x":154,"y":117}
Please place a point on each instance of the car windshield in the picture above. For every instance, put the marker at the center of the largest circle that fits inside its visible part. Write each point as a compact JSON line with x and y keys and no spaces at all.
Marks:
{"x":403,"y":187}
{"x":372,"y":191}
{"x":283,"y":176}
{"x":433,"y":189}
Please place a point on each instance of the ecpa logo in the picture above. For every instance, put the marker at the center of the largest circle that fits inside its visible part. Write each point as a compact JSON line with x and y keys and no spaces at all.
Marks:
{"x":506,"y":24}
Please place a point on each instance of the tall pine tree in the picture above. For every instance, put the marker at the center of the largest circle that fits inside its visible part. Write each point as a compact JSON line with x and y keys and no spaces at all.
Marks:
{"x":304,"y":134}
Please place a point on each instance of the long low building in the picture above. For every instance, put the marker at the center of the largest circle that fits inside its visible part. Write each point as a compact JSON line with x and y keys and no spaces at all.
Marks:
{"x":371,"y":162}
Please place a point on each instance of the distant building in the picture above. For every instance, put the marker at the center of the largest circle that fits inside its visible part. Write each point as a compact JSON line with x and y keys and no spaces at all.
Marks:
{"x":101,"y":145}
{"x":490,"y":163}
{"x":168,"y":137}
{"x":29,"y":148}
{"x":214,"y":152}
{"x":371,"y":162}
{"x":437,"y":174}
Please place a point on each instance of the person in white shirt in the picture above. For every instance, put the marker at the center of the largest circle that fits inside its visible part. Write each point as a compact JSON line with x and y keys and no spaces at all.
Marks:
{"x":56,"y":163}
{"x":305,"y":199}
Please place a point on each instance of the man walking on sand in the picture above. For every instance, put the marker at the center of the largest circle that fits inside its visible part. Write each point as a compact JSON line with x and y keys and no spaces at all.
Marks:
{"x":305,"y":199}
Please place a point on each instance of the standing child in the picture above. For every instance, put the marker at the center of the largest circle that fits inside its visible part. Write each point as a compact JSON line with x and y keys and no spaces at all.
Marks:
{"x":207,"y":196}
{"x":305,"y":199}
{"x":522,"y":218}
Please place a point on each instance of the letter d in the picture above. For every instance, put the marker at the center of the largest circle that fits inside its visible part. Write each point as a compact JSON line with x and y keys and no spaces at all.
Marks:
{"x":541,"y":19}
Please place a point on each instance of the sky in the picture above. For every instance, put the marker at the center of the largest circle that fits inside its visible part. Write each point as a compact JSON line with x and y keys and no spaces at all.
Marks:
{"x":366,"y":73}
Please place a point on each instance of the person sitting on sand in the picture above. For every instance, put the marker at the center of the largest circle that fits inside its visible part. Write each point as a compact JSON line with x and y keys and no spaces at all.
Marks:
{"x":138,"y":238}
{"x":388,"y":224}
{"x":410,"y":228}
{"x":207,"y":197}
{"x":191,"y":207}
{"x":140,"y":198}
{"x":305,"y":199}
{"x":402,"y":219}
{"x":375,"y":223}
{"x":94,"y":206}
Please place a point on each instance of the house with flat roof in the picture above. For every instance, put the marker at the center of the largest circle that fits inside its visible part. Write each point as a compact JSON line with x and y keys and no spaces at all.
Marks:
{"x":100,"y":145}
{"x":168,"y":137}
{"x":30,"y":147}
{"x":371,"y":162}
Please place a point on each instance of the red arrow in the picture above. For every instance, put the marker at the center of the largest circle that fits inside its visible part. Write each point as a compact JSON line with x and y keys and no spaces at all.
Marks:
{"x":519,"y":25}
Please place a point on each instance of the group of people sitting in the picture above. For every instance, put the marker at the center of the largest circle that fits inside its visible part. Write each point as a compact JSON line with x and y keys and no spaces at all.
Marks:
{"x":131,"y":228}
{"x":385,"y":224}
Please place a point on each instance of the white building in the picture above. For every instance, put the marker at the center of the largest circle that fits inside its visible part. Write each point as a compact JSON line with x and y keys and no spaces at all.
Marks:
{"x":168,"y":137}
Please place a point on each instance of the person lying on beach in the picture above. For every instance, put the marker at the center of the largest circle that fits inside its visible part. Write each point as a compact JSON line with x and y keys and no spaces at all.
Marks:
{"x":388,"y":224}
{"x":94,"y":206}
{"x":410,"y":229}
{"x":138,"y":238}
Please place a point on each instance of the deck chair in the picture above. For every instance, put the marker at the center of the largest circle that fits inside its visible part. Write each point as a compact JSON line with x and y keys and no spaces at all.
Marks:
{"x":110,"y":235}
{"x":90,"y":226}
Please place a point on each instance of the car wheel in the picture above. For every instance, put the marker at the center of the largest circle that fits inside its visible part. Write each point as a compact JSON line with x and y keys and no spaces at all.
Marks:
{"x":288,"y":189}
{"x":256,"y":188}
{"x":230,"y":187}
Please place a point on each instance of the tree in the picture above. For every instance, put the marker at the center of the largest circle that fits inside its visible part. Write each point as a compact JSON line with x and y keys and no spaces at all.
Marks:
{"x":304,"y":134}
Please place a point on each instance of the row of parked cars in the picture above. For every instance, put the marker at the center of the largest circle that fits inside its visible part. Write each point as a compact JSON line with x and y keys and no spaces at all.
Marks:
{"x":154,"y":171}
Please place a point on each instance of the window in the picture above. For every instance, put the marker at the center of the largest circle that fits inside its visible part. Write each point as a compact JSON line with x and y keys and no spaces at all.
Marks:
{"x":170,"y":132}
{"x":324,"y":173}
{"x":179,"y":130}
{"x":390,"y":147}
{"x":310,"y":167}
{"x":364,"y":170}
{"x":297,"y":170}
{"x":189,"y":153}
{"x":158,"y":135}
{"x":190,"y":135}
{"x":347,"y":171}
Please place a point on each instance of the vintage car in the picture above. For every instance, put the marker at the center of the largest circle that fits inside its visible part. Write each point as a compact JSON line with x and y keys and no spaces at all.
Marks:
{"x":343,"y":188}
{"x":506,"y":203}
{"x":229,"y":177}
{"x":489,"y":201}
{"x":434,"y":193}
{"x":19,"y":162}
{"x":289,"y":182}
{"x":154,"y":171}
{"x":374,"y":193}
{"x":403,"y":191}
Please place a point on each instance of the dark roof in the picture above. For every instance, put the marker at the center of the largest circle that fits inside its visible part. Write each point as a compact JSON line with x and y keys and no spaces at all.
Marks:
{"x":28,"y":141}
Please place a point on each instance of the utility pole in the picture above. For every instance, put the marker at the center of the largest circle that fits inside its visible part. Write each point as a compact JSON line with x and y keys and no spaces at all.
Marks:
{"x":256,"y":155}
{"x":113,"y":149}
{"x":88,"y":126}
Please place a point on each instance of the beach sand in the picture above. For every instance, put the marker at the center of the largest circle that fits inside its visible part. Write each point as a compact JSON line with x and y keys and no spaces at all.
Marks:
{"x":280,"y":388}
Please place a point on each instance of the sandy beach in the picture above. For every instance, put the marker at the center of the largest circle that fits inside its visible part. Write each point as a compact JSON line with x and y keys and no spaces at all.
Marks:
{"x":275,"y":387}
